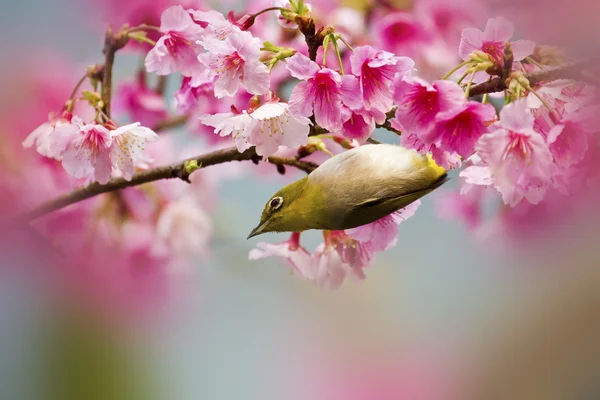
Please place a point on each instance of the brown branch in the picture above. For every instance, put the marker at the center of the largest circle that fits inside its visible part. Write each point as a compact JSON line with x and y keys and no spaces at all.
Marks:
{"x":573,"y":71}
{"x":314,"y":39}
{"x":177,"y":170}
{"x":112,"y":43}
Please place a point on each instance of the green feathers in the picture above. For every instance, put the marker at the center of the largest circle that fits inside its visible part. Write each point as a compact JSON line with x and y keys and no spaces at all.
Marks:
{"x":351,"y":189}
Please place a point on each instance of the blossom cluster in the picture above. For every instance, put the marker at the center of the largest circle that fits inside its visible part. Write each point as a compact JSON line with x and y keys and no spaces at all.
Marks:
{"x":268,"y":80}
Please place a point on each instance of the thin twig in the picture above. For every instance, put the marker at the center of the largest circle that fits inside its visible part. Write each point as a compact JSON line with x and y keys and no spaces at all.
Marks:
{"x":112,"y":43}
{"x":573,"y":71}
{"x":176,"y":170}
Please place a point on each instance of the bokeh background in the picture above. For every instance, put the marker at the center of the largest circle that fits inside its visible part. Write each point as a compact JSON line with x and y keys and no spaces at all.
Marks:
{"x":431,"y":309}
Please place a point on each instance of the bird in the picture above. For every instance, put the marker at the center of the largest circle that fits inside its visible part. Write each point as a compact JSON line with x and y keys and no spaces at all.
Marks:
{"x":351,"y":189}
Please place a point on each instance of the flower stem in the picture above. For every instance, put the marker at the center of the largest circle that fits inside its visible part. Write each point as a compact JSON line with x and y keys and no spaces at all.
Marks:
{"x":77,"y":86}
{"x":339,"y":55}
{"x":462,"y":78}
{"x":143,"y":27}
{"x":484,"y":99}
{"x":141,"y":38}
{"x":346,"y":43}
{"x":468,"y":91}
{"x":453,"y":70}
{"x":541,"y":99}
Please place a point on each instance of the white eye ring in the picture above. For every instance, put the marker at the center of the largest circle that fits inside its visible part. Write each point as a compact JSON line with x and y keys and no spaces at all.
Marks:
{"x":276,"y":202}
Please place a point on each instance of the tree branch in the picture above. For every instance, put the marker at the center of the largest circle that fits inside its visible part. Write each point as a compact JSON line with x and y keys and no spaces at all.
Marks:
{"x":113,"y":42}
{"x":573,"y":71}
{"x":176,"y":170}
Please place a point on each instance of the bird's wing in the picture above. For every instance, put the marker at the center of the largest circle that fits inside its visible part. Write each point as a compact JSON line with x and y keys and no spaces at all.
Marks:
{"x":373,"y":173}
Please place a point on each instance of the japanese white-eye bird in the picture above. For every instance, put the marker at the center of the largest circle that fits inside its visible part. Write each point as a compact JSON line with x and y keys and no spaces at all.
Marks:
{"x":353,"y":188}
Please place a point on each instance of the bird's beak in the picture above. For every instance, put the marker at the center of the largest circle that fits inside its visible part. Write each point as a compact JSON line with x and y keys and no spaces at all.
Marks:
{"x":260,"y":229}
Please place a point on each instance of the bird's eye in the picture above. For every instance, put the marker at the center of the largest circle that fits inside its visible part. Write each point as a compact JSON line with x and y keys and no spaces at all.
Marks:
{"x":276,"y":202}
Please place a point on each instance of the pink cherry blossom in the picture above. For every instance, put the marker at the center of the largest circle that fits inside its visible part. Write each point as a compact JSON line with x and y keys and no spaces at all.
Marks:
{"x":128,"y":145}
{"x":475,"y":174}
{"x":294,"y":254}
{"x":277,"y":127}
{"x":239,"y":126}
{"x":498,"y":31}
{"x":376,"y":71}
{"x":330,"y":270}
{"x":140,"y":103}
{"x":359,"y":126}
{"x":216,"y":26}
{"x":189,"y":92}
{"x":44,"y":136}
{"x":383,"y":233}
{"x":402,"y":33}
{"x":419,"y":102}
{"x":352,"y":252}
{"x":321,"y":91}
{"x":518,"y":158}
{"x":94,"y":151}
{"x":458,"y":129}
{"x":88,"y":153}
{"x":568,"y":143}
{"x":235,"y":60}
{"x":176,"y":50}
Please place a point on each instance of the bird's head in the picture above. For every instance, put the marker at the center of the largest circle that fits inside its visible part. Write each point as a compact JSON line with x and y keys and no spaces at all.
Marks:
{"x":289,"y":210}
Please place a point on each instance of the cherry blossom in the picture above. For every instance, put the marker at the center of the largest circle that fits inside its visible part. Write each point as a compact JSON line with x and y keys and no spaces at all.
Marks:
{"x":176,"y":50}
{"x":376,"y":71}
{"x":498,"y":31}
{"x":321,"y":91}
{"x":43,"y":137}
{"x":275,"y":127}
{"x":518,"y":158}
{"x":330,"y":270}
{"x":291,"y":251}
{"x":235,"y":60}
{"x":94,"y":152}
{"x":189,"y":92}
{"x":239,"y":126}
{"x":419,"y":102}
{"x":458,"y":129}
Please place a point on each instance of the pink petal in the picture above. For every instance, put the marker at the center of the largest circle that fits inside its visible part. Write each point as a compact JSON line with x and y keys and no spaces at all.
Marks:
{"x":471,"y":40}
{"x":351,"y":94}
{"x":522,"y":49}
{"x":516,"y":116}
{"x":301,"y":67}
{"x":247,"y":46}
{"x":159,"y":60}
{"x":256,"y":77}
{"x":175,"y":19}
{"x":568,"y":144}
{"x":211,"y":17}
{"x":477,"y":175}
{"x":228,"y":83}
{"x":359,"y":56}
{"x":102,"y":166}
{"x":498,"y":30}
{"x":358,"y":127}
{"x":302,"y":99}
